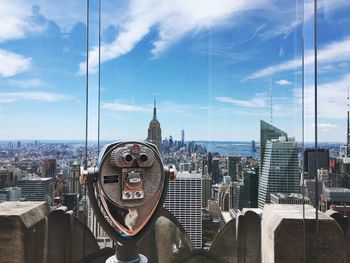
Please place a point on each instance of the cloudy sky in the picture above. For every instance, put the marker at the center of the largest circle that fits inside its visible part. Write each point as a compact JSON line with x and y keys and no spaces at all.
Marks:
{"x":210,"y":65}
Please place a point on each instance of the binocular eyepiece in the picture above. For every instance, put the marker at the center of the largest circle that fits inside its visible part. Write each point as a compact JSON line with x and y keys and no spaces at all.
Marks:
{"x":141,"y":158}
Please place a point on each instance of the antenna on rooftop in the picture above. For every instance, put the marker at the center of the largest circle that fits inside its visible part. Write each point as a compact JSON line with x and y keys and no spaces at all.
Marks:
{"x":271,"y":100}
{"x":348,"y":129}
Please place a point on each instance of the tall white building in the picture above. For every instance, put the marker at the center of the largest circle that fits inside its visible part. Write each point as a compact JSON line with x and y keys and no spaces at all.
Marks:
{"x":184,"y":201}
{"x":279,"y":172}
{"x":101,"y":236}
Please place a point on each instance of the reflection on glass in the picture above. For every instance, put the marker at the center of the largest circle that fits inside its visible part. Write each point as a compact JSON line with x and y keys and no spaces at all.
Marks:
{"x":217,"y":86}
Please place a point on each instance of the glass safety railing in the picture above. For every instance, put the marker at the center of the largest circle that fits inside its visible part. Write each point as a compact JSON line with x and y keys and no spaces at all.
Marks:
{"x":248,"y":101}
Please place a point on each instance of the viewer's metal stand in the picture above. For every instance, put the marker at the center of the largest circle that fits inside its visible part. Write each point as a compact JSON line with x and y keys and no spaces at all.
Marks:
{"x":127,"y":254}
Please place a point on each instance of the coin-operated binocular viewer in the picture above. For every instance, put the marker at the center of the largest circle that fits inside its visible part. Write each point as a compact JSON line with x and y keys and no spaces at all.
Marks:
{"x":126,"y":191}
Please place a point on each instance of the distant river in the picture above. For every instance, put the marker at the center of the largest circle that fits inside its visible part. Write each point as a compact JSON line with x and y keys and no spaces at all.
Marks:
{"x":243,"y":149}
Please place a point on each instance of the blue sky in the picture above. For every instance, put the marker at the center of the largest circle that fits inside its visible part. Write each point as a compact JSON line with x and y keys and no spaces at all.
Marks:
{"x":208,"y":63}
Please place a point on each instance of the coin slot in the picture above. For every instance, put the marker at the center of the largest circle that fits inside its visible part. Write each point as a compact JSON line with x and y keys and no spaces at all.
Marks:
{"x":110,"y":179}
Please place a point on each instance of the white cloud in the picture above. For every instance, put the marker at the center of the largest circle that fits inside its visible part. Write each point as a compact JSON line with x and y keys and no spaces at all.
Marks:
{"x":188,"y":110}
{"x":12,"y":64}
{"x":288,"y":20}
{"x":283,"y":82}
{"x":337,"y":51}
{"x":27,"y":83}
{"x":17,"y":18}
{"x":173,"y":19}
{"x":325,"y":127}
{"x":64,"y":13}
{"x":165,"y":107}
{"x":17,"y":21}
{"x":331,"y":98}
{"x":117,"y":106}
{"x":257,"y":101}
{"x":14,"y":20}
{"x":33,"y":96}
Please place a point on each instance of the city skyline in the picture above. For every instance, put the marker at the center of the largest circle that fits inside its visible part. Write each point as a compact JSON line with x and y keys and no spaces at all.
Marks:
{"x":209,"y":68}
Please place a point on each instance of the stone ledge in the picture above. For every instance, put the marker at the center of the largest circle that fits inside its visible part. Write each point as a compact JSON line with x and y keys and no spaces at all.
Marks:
{"x":286,"y":235}
{"x":28,"y":213}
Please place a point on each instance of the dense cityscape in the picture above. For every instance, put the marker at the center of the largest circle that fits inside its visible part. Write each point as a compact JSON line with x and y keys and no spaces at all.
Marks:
{"x":222,"y":185}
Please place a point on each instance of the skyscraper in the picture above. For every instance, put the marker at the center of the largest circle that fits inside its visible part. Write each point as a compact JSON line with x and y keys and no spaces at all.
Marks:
{"x":74,"y":184}
{"x":154,"y":130}
{"x":49,"y":168}
{"x":210,"y":163}
{"x":184,"y":201}
{"x":342,"y":162}
{"x":228,"y":195}
{"x":310,"y":169}
{"x":253,"y":146}
{"x":6,"y":178}
{"x":71,"y":201}
{"x":249,"y":190}
{"x":232,"y":162}
{"x":182,"y":138}
{"x":215,"y":172}
{"x":206,"y":190}
{"x":267,"y":132}
{"x":280,"y":172}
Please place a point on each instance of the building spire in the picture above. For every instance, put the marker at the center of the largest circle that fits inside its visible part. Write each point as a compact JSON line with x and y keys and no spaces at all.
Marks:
{"x":348,"y":129}
{"x":155,"y":109}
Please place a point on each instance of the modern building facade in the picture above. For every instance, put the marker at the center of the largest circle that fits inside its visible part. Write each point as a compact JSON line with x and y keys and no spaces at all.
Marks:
{"x":267,"y":132}
{"x":341,"y":172}
{"x":10,"y":194}
{"x":6,"y":178}
{"x":71,"y":201}
{"x":334,"y":196}
{"x":182,"y":138}
{"x":215,"y":171}
{"x":280,"y":169}
{"x":154,"y":130}
{"x":227,"y":194}
{"x":36,"y":188}
{"x":74,"y":184}
{"x":206,"y":190}
{"x":184,"y":201}
{"x":310,"y":169}
{"x":289,"y":198}
{"x":185,"y":167}
{"x":248,"y":197}
{"x":210,"y":162}
{"x":232,"y":162}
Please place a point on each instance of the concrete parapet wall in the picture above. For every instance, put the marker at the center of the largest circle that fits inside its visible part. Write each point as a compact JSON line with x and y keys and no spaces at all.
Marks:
{"x":29,"y":233}
{"x":282,"y":237}
{"x":225,"y":243}
{"x":248,"y":237}
{"x":344,"y":223}
{"x":18,"y":225}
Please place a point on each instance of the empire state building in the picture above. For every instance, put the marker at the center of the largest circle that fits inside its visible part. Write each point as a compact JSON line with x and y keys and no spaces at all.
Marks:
{"x":154,"y":130}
